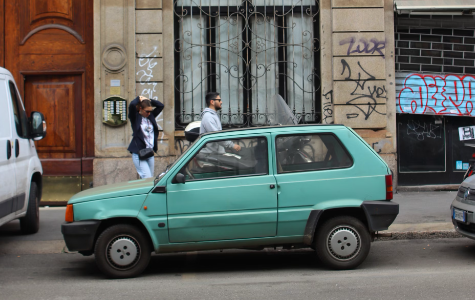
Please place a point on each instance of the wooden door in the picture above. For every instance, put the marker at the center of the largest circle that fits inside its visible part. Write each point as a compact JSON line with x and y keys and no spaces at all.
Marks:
{"x":48,"y":49}
{"x":59,"y":99}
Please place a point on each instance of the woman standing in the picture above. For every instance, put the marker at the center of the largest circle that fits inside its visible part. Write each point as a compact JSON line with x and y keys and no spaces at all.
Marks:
{"x":145,"y":132}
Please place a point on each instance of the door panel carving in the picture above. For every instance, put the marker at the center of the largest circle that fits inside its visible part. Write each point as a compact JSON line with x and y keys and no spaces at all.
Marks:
{"x":59,"y":99}
{"x":37,"y":15}
{"x":53,"y":9}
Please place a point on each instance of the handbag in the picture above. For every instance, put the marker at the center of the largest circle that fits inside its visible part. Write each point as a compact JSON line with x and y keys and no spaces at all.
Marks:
{"x":144,"y":153}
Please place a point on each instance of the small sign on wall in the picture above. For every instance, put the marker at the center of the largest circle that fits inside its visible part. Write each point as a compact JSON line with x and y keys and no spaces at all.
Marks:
{"x":115,"y":87}
{"x":467,"y":133}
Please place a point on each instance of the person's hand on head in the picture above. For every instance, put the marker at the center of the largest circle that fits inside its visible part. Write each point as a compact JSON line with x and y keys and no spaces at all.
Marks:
{"x":142,"y":98}
{"x":237,"y":147}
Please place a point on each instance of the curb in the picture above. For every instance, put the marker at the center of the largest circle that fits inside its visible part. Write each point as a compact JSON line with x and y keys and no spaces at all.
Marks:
{"x":427,"y":188}
{"x":415,"y":235}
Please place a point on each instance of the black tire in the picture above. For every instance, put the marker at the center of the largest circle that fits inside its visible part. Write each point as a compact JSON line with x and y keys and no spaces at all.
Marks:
{"x":342,"y":243}
{"x":122,"y":251}
{"x":30,"y":223}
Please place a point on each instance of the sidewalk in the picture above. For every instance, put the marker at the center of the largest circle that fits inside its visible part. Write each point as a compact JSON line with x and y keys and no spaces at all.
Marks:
{"x":423,"y":215}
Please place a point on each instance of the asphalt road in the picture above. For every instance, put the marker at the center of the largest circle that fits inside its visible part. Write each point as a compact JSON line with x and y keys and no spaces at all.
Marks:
{"x":410,"y":269}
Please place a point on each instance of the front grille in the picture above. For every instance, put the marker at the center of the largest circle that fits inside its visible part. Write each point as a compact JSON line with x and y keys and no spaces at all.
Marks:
{"x":469,"y":227}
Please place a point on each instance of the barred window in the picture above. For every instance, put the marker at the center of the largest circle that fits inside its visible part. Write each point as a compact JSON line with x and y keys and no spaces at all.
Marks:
{"x":247,"y":51}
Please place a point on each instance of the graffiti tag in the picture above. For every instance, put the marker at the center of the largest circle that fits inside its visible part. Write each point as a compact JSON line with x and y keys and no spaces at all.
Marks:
{"x":363,"y":46}
{"x":437,"y":94}
{"x":328,"y":108}
{"x":422,"y":130}
{"x":363,"y":92}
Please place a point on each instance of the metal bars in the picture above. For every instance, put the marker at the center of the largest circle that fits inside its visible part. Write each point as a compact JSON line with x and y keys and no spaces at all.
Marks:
{"x":248,"y":51}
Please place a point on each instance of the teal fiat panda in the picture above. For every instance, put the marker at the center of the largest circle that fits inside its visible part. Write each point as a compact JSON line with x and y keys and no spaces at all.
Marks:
{"x":316,"y":186}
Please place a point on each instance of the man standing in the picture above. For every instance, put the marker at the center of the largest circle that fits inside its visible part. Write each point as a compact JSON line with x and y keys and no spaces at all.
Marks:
{"x":210,"y":122}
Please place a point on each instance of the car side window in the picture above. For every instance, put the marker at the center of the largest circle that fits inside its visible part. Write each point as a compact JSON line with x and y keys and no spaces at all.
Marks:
{"x":219,"y":159}
{"x":311,"y":152}
{"x":19,"y":114}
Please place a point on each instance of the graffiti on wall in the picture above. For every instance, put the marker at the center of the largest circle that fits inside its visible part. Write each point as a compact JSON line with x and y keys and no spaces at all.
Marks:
{"x":327,"y":117}
{"x":148,"y":88}
{"x":437,"y":94}
{"x":365,"y":95}
{"x":422,"y":130}
{"x":363,"y":46}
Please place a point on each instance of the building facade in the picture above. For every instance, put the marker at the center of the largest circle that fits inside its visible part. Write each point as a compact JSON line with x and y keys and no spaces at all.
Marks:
{"x":435,"y":81}
{"x":333,"y":61}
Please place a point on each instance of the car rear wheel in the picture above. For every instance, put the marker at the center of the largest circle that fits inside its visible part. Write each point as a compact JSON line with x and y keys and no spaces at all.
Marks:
{"x":30,"y":223}
{"x":122,"y":251}
{"x":342,"y":243}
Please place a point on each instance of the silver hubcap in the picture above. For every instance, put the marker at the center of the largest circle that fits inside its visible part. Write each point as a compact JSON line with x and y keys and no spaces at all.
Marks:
{"x":123,"y":252}
{"x":343,"y":243}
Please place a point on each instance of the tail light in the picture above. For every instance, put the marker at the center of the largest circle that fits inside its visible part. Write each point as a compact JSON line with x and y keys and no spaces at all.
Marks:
{"x":69,"y":217}
{"x":389,"y":187}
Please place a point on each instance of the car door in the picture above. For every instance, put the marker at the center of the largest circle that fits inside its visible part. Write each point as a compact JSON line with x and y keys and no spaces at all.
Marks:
{"x":22,"y":147}
{"x":7,"y":156}
{"x":226,"y":195}
{"x":312,"y":168}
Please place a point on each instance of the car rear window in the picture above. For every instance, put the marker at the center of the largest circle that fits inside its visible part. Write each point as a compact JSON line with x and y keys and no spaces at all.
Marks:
{"x":311,"y":152}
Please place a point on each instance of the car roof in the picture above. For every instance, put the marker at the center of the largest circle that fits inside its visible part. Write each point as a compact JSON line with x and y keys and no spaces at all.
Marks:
{"x":280,"y":128}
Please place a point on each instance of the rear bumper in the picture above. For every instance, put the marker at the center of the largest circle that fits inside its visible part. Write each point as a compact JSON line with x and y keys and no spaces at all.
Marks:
{"x":79,"y":236}
{"x":380,"y":214}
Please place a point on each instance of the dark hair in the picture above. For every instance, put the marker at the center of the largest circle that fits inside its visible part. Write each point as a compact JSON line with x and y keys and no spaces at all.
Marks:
{"x":210,"y":96}
{"x":143,"y":104}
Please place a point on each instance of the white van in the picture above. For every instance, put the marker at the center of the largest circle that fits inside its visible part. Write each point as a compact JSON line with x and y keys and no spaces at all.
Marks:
{"x":20,"y":168}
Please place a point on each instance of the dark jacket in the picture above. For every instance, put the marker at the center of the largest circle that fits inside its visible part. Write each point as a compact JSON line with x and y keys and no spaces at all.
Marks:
{"x":138,"y":142}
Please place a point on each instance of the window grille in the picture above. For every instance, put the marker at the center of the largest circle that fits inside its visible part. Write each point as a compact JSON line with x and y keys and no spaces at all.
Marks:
{"x":247,"y":51}
{"x":435,"y":43}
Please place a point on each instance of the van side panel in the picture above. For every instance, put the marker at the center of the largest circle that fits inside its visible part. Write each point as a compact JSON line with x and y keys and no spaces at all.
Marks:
{"x":7,"y":157}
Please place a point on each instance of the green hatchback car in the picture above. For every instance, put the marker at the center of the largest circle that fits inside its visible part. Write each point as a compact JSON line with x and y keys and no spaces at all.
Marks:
{"x":317,"y":186}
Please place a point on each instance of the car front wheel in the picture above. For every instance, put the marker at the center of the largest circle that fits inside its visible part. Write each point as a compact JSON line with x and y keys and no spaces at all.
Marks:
{"x":342,"y":243}
{"x":122,"y":251}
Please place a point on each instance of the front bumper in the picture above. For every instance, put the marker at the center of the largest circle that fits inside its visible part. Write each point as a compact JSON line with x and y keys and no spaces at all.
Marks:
{"x":467,"y":228}
{"x":79,"y":236}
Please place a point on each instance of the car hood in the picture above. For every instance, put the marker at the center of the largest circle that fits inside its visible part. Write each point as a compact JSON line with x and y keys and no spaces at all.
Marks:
{"x":469,"y":182}
{"x":122,"y":189}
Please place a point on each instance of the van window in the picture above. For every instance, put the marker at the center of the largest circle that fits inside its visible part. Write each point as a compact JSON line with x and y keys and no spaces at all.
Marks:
{"x":5,"y":118}
{"x":312,"y":152}
{"x":19,"y":114}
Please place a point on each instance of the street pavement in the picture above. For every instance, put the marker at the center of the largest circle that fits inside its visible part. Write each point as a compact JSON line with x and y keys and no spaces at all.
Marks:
{"x":400,"y":269}
{"x":40,"y":267}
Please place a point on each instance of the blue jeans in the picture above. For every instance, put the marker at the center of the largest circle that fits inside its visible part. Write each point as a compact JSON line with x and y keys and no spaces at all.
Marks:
{"x":144,"y":167}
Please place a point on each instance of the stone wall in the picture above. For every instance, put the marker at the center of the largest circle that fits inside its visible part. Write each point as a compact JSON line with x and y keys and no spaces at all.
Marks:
{"x":128,"y":46}
{"x":363,"y":94}
{"x":357,"y":75}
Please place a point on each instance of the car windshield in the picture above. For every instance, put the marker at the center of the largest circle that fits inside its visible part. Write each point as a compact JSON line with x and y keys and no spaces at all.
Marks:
{"x":170,"y":166}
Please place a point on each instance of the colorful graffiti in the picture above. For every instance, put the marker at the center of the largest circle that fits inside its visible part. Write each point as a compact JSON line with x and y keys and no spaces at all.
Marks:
{"x":437,"y":94}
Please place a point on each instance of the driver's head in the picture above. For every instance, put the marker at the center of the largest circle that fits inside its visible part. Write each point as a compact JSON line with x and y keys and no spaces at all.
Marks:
{"x":213,"y":100}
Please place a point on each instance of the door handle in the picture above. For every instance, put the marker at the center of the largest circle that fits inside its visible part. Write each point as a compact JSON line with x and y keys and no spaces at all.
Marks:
{"x":272,"y":186}
{"x":9,"y":149}
{"x":17,"y":148}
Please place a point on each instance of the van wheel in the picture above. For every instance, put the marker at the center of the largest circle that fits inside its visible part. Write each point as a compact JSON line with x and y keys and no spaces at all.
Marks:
{"x":30,"y":223}
{"x":342,"y":243}
{"x":122,"y":251}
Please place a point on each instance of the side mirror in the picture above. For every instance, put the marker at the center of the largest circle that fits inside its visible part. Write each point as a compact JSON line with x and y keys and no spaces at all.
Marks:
{"x":37,"y":126}
{"x":180,"y":178}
